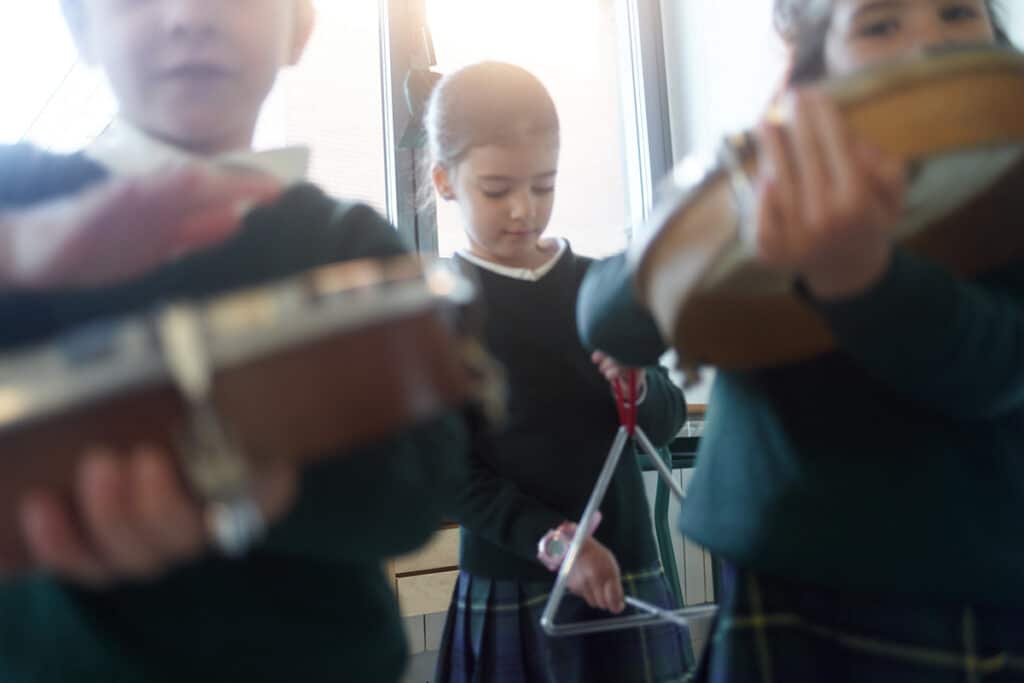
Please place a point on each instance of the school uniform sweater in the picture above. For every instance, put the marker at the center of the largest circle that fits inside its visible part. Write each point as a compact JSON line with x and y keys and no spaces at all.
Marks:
{"x":310,"y":602}
{"x":540,"y":469}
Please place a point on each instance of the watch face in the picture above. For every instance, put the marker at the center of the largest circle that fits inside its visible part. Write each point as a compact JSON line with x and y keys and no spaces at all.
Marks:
{"x":555,"y":546}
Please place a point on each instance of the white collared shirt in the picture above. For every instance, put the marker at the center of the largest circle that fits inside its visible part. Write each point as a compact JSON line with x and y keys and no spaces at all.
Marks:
{"x":527,"y":274}
{"x":125,"y":150}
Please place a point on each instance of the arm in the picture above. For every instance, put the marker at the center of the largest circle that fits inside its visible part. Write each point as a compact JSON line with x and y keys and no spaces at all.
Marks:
{"x":378,"y":502}
{"x":495,"y":508}
{"x":955,"y":346}
{"x":610,"y":318}
{"x":663,"y":412}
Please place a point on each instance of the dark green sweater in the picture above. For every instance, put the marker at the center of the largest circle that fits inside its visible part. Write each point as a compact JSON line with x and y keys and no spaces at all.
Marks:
{"x":893,"y":465}
{"x":311,"y":603}
{"x":541,"y":468}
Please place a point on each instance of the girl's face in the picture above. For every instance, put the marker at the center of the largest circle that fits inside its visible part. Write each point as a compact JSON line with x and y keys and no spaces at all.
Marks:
{"x":864,"y":32}
{"x":505,"y":193}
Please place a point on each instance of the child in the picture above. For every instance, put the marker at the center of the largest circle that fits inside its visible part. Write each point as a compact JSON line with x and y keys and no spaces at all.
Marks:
{"x":132,"y":589}
{"x":494,"y":139}
{"x":867,"y":502}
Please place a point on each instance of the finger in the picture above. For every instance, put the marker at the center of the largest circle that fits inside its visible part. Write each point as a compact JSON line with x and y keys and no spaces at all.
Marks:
{"x":195,"y":188}
{"x":56,"y":544}
{"x":193,"y":207}
{"x":772,"y":238}
{"x":275,"y":489}
{"x":592,"y":594}
{"x":777,"y":172}
{"x":204,"y":229}
{"x":597,"y":357}
{"x":613,"y":597}
{"x":812,"y":171}
{"x":106,"y":500}
{"x":169,"y":518}
{"x":887,"y":176}
{"x":839,"y":161}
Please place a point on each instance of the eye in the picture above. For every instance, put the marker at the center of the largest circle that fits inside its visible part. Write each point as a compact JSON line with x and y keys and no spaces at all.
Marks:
{"x":494,"y":194}
{"x":958,"y":13}
{"x":544,"y":190}
{"x":879,"y":29}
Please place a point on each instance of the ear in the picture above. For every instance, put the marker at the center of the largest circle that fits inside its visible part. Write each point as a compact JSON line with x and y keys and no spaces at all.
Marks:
{"x":305,"y":19}
{"x":442,"y":182}
{"x":74,"y":16}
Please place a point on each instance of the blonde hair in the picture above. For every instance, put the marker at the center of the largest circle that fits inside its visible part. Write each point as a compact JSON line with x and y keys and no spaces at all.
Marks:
{"x":483,"y":104}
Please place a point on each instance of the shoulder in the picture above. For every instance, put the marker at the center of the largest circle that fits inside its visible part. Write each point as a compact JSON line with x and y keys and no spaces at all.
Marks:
{"x":29,"y":175}
{"x":580,"y":264}
{"x":308,"y":228}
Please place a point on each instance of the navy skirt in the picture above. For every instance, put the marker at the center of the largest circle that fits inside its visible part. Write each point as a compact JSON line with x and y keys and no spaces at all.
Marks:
{"x":493,"y":635}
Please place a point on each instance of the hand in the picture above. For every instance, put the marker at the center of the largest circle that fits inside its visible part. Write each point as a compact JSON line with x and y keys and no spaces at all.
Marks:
{"x":615,"y":373}
{"x":826,"y":201}
{"x":129,"y":518}
{"x":596,"y":578}
{"x":124,"y":227}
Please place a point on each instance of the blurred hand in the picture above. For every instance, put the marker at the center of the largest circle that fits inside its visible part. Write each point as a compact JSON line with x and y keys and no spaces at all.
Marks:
{"x":827,"y":202}
{"x":129,"y":518}
{"x":618,"y":374}
{"x":124,"y":227}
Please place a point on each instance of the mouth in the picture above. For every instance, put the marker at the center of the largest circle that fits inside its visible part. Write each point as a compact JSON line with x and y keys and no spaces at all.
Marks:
{"x":197,"y":73}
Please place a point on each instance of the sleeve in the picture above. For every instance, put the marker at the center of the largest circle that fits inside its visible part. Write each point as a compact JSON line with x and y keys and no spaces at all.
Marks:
{"x":663,"y":412}
{"x":953,"y":345}
{"x":376,"y":502}
{"x":611,"y":319}
{"x":358,"y":231}
{"x":496,"y":509}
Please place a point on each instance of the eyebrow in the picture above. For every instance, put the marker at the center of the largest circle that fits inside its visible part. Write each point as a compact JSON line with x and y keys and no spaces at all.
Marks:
{"x":505,"y":178}
{"x":877,"y":5}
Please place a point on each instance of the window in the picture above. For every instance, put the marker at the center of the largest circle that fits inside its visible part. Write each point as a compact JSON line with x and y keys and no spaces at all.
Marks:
{"x":573,"y":47}
{"x":724,"y":63}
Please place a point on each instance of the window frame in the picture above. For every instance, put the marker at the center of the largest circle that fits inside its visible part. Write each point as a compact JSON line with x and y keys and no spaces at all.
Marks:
{"x":643,"y":95}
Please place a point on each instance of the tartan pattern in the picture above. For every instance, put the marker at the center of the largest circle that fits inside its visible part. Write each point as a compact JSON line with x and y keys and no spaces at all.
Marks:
{"x":771,"y":630}
{"x":493,"y":635}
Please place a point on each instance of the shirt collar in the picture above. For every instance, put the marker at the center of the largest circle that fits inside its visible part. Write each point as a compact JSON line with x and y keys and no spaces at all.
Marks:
{"x":124,"y":150}
{"x":527,"y":274}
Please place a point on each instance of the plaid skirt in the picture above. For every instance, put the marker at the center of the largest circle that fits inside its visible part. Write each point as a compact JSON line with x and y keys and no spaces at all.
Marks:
{"x":493,"y":635}
{"x":770,"y":630}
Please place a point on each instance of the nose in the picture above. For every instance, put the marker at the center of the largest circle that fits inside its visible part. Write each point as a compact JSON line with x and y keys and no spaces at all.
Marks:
{"x":193,"y":20}
{"x":520,"y":205}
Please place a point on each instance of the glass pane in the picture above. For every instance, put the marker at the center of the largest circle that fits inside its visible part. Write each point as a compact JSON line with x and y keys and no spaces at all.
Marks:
{"x":333,"y":102}
{"x":49,"y":98}
{"x":572,"y":46}
{"x":724,"y":63}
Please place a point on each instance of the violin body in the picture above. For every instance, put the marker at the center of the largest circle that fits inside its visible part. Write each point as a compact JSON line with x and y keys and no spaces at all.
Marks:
{"x":957,"y":119}
{"x":309,"y":368}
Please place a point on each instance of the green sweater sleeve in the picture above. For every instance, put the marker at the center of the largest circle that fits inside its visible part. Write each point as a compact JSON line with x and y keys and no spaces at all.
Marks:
{"x":380,"y":501}
{"x":611,"y":319}
{"x":955,"y":346}
{"x":496,"y":509}
{"x":663,"y":412}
